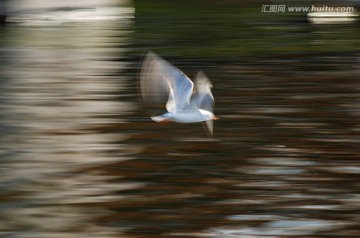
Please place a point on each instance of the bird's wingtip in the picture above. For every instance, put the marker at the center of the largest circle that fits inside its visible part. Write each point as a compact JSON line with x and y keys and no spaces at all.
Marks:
{"x":208,"y":126}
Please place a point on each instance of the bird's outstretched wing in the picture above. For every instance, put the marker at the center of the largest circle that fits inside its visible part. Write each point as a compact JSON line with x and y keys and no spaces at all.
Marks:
{"x":203,"y":97}
{"x":159,"y":80}
{"x":153,"y":89}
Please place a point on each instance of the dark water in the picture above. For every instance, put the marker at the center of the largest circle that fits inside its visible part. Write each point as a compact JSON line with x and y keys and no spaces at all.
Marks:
{"x":80,"y":158}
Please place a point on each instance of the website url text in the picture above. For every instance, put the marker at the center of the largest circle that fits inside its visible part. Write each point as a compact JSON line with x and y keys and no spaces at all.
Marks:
{"x":304,"y":9}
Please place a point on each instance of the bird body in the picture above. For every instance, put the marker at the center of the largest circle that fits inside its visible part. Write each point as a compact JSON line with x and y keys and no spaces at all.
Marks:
{"x":187,"y":102}
{"x":185,"y":116}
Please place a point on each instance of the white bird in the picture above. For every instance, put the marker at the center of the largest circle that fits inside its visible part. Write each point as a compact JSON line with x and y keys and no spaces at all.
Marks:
{"x":160,"y":81}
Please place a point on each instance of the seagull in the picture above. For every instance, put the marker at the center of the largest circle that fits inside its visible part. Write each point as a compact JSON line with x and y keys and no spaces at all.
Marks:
{"x":160,"y":81}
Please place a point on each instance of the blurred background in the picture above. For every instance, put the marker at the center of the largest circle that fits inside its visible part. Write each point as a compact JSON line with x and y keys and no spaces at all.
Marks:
{"x":80,"y":157}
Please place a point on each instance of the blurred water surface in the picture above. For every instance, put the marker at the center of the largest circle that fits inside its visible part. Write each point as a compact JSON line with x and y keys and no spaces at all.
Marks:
{"x":80,"y":158}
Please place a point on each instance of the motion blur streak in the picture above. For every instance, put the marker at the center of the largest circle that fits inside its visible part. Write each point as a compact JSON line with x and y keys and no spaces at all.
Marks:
{"x":80,"y":157}
{"x":59,"y":83}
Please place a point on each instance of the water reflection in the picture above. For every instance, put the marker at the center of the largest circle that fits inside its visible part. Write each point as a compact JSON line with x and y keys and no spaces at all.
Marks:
{"x":80,"y":158}
{"x":58,"y":85}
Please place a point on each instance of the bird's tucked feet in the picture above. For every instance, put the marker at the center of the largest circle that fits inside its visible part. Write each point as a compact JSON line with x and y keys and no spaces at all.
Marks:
{"x":165,"y":121}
